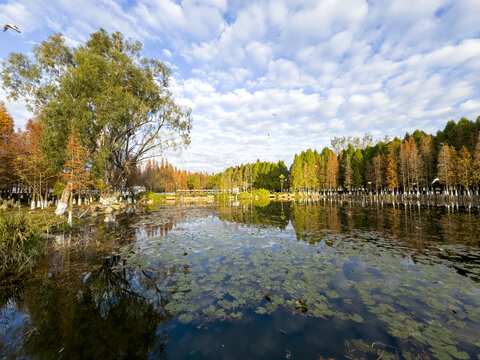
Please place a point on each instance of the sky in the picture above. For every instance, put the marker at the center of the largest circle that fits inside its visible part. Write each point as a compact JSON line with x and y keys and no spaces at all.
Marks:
{"x":268,"y":79}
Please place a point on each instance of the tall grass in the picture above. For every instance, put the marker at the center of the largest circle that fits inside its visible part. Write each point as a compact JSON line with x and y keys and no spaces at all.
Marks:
{"x":20,"y":240}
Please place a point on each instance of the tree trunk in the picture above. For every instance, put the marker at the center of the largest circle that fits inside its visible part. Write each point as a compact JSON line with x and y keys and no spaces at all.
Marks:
{"x":63,"y":201}
{"x":70,"y":211}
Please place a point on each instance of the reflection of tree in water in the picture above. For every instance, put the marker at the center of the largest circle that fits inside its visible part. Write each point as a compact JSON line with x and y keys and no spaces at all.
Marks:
{"x":273,"y":214}
{"x":307,"y":217}
{"x":435,"y":232}
{"x":102,"y":317}
{"x":157,"y":230}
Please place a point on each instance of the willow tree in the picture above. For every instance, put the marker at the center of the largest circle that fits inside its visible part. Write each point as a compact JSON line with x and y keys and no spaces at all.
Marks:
{"x":121,"y":101}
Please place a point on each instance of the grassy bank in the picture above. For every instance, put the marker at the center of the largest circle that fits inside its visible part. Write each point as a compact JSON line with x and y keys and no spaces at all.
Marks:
{"x":21,"y":242}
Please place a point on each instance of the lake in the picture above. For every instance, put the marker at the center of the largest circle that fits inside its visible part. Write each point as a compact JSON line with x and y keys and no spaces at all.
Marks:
{"x":280,"y":280}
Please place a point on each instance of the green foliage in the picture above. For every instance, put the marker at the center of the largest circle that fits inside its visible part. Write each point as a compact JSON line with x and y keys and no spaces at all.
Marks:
{"x":151,"y":198}
{"x":261,"y":193}
{"x":58,"y":189}
{"x":244,"y":195}
{"x":264,"y":175}
{"x":120,"y":101}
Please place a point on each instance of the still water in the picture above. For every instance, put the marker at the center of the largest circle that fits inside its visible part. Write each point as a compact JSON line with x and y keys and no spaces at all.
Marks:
{"x":276,"y":281}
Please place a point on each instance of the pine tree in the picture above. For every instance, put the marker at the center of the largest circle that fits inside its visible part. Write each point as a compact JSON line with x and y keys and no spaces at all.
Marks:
{"x":414,"y":163}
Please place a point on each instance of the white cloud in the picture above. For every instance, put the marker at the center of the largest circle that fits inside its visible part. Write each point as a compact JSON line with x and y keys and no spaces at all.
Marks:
{"x":324,"y":67}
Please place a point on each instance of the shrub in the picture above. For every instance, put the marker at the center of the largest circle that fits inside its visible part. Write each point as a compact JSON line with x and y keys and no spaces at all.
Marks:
{"x":151,"y":198}
{"x":261,"y":194}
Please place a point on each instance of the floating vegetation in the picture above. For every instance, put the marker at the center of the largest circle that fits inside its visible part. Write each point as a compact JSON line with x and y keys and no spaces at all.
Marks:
{"x":215,"y":270}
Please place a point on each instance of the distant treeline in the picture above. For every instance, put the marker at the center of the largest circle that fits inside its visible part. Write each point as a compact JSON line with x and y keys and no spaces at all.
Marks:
{"x":418,"y":163}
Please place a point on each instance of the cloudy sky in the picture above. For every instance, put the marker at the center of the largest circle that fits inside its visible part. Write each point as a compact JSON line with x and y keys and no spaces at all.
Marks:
{"x":325,"y":68}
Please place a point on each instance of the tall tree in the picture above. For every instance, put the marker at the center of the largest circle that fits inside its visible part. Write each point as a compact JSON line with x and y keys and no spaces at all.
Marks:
{"x":7,"y":151}
{"x":358,"y":169}
{"x":296,"y":178}
{"x":32,"y":165}
{"x":391,"y":176}
{"x":476,"y":162}
{"x":124,"y":109}
{"x":465,"y":169}
{"x":426,"y":152}
{"x":74,"y":173}
{"x":348,"y":173}
{"x":414,"y":163}
{"x":445,"y":166}
{"x":404,"y":165}
{"x":332,"y":171}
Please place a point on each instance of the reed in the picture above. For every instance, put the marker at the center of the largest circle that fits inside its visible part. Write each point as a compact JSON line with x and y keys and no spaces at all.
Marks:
{"x":21,"y":241}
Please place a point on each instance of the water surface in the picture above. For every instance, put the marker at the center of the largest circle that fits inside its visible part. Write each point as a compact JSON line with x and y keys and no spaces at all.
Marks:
{"x":295,"y":281}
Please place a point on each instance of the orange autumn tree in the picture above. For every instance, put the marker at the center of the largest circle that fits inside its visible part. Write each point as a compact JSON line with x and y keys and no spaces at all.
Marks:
{"x":31,"y":164}
{"x":75,"y":175}
{"x":391,"y":177}
{"x":7,"y":151}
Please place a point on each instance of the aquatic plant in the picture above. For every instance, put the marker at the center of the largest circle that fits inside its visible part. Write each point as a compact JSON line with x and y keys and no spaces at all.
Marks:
{"x":19,"y":240}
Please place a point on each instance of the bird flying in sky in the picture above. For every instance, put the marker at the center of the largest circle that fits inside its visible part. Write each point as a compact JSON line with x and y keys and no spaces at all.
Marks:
{"x":11,"y":26}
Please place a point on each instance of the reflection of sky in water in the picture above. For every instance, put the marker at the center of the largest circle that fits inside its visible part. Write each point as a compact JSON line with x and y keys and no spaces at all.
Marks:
{"x":345,"y":278}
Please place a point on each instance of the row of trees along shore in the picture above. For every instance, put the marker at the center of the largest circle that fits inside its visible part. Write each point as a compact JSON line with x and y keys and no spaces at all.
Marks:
{"x":420,"y":163}
{"x":416,"y":164}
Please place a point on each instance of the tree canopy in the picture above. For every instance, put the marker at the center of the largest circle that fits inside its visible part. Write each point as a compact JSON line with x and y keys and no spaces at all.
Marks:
{"x":118,"y":101}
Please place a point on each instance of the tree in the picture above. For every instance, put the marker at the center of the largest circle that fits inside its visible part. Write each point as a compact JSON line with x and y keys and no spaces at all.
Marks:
{"x":445,"y":170}
{"x":296,"y":178}
{"x":7,"y":151}
{"x":476,"y":162}
{"x":391,"y":176}
{"x":74,"y":174}
{"x":31,"y":163}
{"x":465,"y":169}
{"x":348,"y":173}
{"x":358,"y":169}
{"x":426,"y":152}
{"x":124,"y":110}
{"x":414,"y":163}
{"x":404,"y":165}
{"x":378,"y":166}
{"x":332,"y":171}
{"x":193,"y":182}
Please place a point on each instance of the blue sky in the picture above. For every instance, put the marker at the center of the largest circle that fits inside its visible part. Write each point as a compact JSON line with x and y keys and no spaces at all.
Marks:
{"x":326,"y":68}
